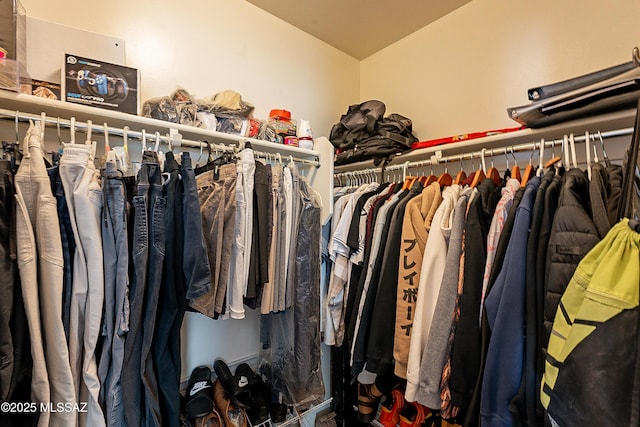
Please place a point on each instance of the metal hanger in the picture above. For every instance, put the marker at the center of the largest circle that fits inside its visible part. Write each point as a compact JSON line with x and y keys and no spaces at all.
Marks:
{"x":587,"y":144}
{"x":59,"y":134}
{"x":144,"y":140}
{"x":157,"y":146}
{"x":72,"y":130}
{"x":17,"y":120}
{"x":604,"y":153}
{"x":89,"y":130}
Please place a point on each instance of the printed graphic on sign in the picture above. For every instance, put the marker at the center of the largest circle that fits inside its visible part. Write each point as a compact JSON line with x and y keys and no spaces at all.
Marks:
{"x":101,"y":84}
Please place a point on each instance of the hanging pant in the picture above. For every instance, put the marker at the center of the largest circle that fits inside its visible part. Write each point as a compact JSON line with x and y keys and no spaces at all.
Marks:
{"x":241,"y":251}
{"x":68,"y":244}
{"x":217,"y":197}
{"x":139,"y":383}
{"x":7,"y":283}
{"x":172,"y":301}
{"x":84,"y":198}
{"x":40,"y":262}
{"x":116,"y":284}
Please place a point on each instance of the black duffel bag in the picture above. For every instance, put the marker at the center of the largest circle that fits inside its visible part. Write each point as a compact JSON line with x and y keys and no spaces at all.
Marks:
{"x":363,"y":133}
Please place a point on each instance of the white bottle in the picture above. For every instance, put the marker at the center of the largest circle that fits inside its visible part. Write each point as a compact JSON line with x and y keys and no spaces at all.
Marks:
{"x":305,"y":137}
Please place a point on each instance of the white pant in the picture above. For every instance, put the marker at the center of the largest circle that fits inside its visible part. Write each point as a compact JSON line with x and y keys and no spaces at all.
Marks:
{"x":40,"y":261}
{"x":241,"y":250}
{"x":84,"y":197}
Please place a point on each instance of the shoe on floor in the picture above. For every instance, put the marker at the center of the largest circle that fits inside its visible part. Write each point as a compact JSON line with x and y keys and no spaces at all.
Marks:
{"x":199,"y":394}
{"x":232,"y":415}
{"x":390,"y":409}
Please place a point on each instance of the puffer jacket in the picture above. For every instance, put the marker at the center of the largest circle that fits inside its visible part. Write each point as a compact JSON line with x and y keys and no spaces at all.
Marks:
{"x":573,"y":235}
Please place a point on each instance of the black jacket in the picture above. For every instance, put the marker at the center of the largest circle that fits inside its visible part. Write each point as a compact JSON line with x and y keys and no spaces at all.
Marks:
{"x":471,"y":417}
{"x":466,"y":348}
{"x":573,"y":234}
{"x":361,"y":335}
{"x":379,"y":352}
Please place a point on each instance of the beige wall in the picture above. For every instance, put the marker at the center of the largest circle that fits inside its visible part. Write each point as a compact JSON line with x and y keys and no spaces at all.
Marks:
{"x":460,"y":73}
{"x":208,"y":46}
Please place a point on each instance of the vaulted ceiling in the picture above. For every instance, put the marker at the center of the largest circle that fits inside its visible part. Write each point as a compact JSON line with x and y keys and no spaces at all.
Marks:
{"x":359,"y":27}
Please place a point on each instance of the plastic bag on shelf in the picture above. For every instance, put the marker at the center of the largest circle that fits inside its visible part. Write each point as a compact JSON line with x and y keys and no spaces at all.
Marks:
{"x":179,"y":107}
{"x":226,"y":104}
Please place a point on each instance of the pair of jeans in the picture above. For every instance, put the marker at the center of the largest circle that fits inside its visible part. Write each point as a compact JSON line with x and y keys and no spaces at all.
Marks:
{"x":116,"y":299}
{"x":84,"y":199}
{"x":68,"y":244}
{"x":139,"y":382}
{"x":172,"y":298}
{"x":7,"y":283}
{"x":217,"y":196}
{"x":39,"y":251}
{"x":186,"y":275}
{"x":15,"y":343}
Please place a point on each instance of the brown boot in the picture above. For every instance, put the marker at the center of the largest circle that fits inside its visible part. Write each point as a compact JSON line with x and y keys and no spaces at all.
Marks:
{"x":231,"y":414}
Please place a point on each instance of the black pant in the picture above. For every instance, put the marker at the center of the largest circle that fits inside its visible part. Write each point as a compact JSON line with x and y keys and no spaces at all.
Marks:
{"x":139,"y":382}
{"x":172,"y":304}
{"x":261,"y":244}
{"x":15,"y":349}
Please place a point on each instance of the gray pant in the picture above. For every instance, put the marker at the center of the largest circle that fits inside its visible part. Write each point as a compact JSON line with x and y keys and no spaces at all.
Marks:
{"x":84,"y":198}
{"x":41,"y":268}
{"x":218,"y":208}
{"x":116,"y":286}
{"x":295,"y":219}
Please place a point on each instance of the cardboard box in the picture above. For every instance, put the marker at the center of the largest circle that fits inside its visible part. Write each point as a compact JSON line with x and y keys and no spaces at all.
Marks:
{"x":100,"y":84}
{"x":41,"y":89}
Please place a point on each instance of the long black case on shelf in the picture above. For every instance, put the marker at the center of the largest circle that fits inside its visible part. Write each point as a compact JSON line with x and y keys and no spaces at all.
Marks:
{"x":611,"y":94}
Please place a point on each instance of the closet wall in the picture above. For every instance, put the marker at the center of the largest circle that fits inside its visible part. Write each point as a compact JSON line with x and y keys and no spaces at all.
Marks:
{"x":211,"y":46}
{"x":460,"y":73}
{"x":208,"y":46}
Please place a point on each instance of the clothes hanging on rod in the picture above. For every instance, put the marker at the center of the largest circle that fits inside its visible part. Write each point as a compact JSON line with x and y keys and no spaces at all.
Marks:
{"x":124,"y":256}
{"x":168,"y":139}
{"x":481,"y":295}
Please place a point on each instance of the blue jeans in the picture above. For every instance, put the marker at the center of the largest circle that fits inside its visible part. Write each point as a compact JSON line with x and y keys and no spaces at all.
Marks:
{"x":186,"y":274}
{"x":139,"y":383}
{"x":195,"y":265}
{"x":116,"y":286}
{"x":68,"y":244}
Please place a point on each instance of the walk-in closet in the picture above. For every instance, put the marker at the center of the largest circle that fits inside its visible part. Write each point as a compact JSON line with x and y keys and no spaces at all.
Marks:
{"x":244,"y":213}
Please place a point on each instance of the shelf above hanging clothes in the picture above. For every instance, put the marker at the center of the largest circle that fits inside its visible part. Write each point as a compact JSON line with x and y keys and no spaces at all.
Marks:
{"x":620,"y":120}
{"x":115,"y":119}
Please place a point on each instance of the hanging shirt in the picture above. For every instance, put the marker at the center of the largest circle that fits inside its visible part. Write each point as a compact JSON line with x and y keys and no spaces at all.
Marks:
{"x":339,"y":252}
{"x":497,"y":224}
{"x":505,"y":307}
{"x":427,"y":358}
{"x":378,"y":231}
{"x":419,"y":213}
{"x":432,"y":270}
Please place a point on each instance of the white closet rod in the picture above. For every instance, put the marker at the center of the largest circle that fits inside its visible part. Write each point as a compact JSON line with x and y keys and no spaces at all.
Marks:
{"x":358,"y":172}
{"x":531,"y":146}
{"x":149,"y":136}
